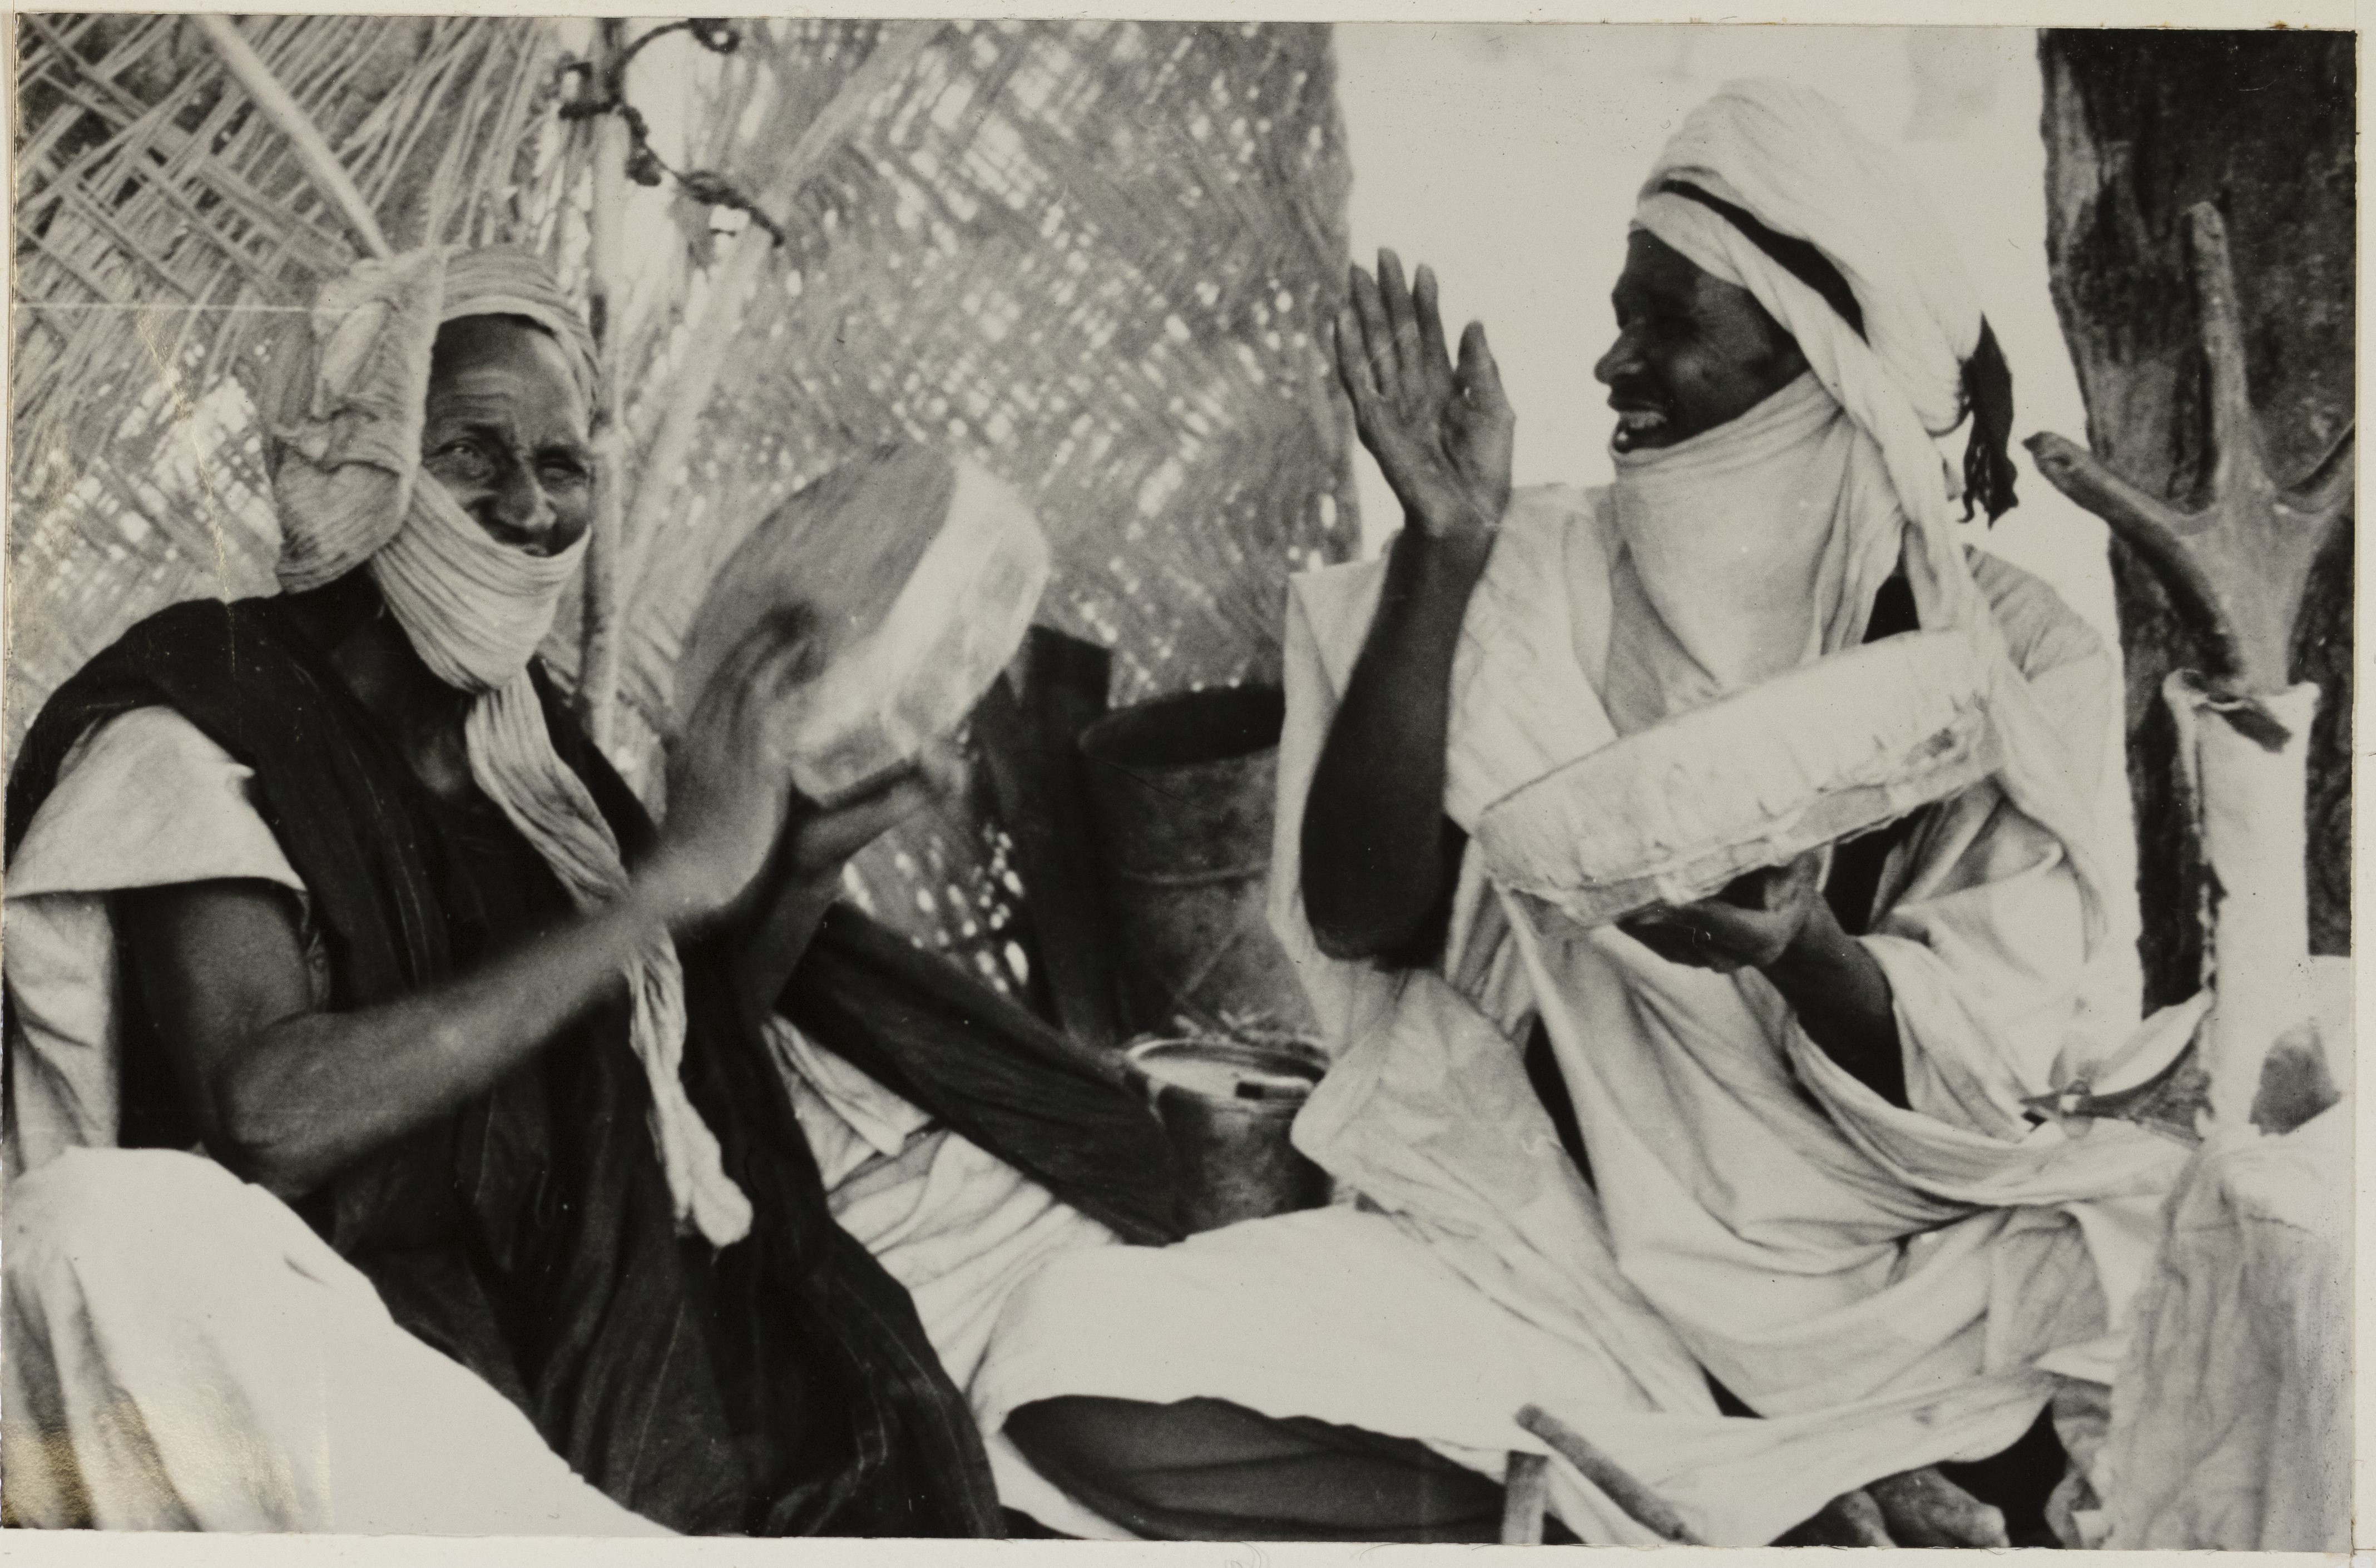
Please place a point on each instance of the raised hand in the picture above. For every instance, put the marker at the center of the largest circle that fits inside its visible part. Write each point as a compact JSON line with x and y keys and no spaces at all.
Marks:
{"x":820,"y":840}
{"x":1441,"y":434}
{"x":817,"y":843}
{"x":728,"y":775}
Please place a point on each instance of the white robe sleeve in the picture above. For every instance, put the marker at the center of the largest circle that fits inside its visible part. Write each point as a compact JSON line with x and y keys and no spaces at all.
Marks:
{"x":144,"y":799}
{"x":1521,"y":704}
{"x":147,"y":801}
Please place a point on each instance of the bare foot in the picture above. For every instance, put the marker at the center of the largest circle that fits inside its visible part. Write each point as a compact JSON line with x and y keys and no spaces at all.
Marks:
{"x":1924,"y":1508}
{"x":1850,"y":1519}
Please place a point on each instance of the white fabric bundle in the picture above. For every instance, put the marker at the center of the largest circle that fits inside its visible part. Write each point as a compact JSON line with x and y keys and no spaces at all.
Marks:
{"x":1790,"y":158}
{"x":345,"y":483}
{"x":1674,"y":813}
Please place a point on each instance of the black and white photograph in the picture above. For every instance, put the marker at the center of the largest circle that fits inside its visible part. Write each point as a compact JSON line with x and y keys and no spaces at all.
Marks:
{"x":1239,"y":780}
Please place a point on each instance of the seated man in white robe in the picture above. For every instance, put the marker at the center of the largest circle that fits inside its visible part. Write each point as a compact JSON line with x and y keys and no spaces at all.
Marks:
{"x":1763,"y":1194}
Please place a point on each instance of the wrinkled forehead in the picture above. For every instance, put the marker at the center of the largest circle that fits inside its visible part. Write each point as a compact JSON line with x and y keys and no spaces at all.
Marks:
{"x":484,"y":361}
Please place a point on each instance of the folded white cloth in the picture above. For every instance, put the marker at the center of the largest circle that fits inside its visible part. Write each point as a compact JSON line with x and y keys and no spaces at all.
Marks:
{"x":185,"y":1353}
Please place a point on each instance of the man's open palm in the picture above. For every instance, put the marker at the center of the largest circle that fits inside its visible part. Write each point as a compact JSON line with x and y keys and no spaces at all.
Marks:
{"x":1441,"y":434}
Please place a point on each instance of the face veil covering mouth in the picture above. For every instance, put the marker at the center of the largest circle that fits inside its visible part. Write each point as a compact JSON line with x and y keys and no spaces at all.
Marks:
{"x":1748,"y":550}
{"x":347,"y":489}
{"x":474,"y":608}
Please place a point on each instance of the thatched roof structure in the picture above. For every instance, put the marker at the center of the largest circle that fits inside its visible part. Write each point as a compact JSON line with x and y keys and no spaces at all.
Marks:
{"x":1096,"y":255}
{"x":163,"y":227}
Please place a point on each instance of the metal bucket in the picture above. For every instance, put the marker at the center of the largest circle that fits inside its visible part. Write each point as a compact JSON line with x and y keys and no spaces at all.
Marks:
{"x":1226,"y":1107}
{"x":1182,"y":792}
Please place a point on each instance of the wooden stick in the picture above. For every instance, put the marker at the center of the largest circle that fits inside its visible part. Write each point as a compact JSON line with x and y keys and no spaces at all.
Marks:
{"x":1526,"y":1496}
{"x":730,"y":284}
{"x":2151,"y":528}
{"x":289,"y":118}
{"x":1031,"y":743}
{"x":598,"y":646}
{"x":1641,"y":1505}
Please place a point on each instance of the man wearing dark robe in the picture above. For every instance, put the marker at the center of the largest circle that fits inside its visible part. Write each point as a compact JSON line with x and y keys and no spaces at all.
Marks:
{"x":402,"y":952}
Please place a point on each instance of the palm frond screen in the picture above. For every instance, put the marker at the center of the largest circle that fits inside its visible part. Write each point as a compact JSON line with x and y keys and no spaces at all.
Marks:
{"x":164,"y":230}
{"x":1096,"y":255}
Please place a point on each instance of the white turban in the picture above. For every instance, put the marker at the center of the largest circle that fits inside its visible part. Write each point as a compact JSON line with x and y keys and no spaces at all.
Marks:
{"x":346,"y":460}
{"x":1769,"y":186}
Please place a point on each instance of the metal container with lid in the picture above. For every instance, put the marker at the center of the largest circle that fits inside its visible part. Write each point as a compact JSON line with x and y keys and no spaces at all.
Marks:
{"x":1227,"y":1105}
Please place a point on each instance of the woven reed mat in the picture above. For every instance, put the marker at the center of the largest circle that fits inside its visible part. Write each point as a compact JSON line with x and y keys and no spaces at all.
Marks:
{"x":1096,"y":255}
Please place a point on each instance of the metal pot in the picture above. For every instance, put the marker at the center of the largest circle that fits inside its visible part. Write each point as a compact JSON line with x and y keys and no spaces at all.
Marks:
{"x":1182,"y":791}
{"x":1227,"y":1107}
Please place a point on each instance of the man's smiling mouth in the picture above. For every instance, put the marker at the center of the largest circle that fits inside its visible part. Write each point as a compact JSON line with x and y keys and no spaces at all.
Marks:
{"x":1637,"y":424}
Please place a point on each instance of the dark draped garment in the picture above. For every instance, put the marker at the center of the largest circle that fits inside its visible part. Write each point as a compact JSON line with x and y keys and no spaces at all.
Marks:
{"x":781,"y":1385}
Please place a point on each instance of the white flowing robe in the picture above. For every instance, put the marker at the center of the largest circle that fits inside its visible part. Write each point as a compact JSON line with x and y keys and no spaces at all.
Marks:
{"x":1891,"y":1287}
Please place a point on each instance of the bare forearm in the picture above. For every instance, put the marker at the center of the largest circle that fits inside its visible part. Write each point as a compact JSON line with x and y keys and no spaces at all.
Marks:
{"x":1373,"y":830}
{"x":773,"y":947}
{"x":1842,"y":998}
{"x":319,"y":1090}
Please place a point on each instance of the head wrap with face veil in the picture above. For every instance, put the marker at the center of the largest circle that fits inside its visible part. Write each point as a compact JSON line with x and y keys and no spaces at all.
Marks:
{"x":1769,"y":187}
{"x":346,"y":488}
